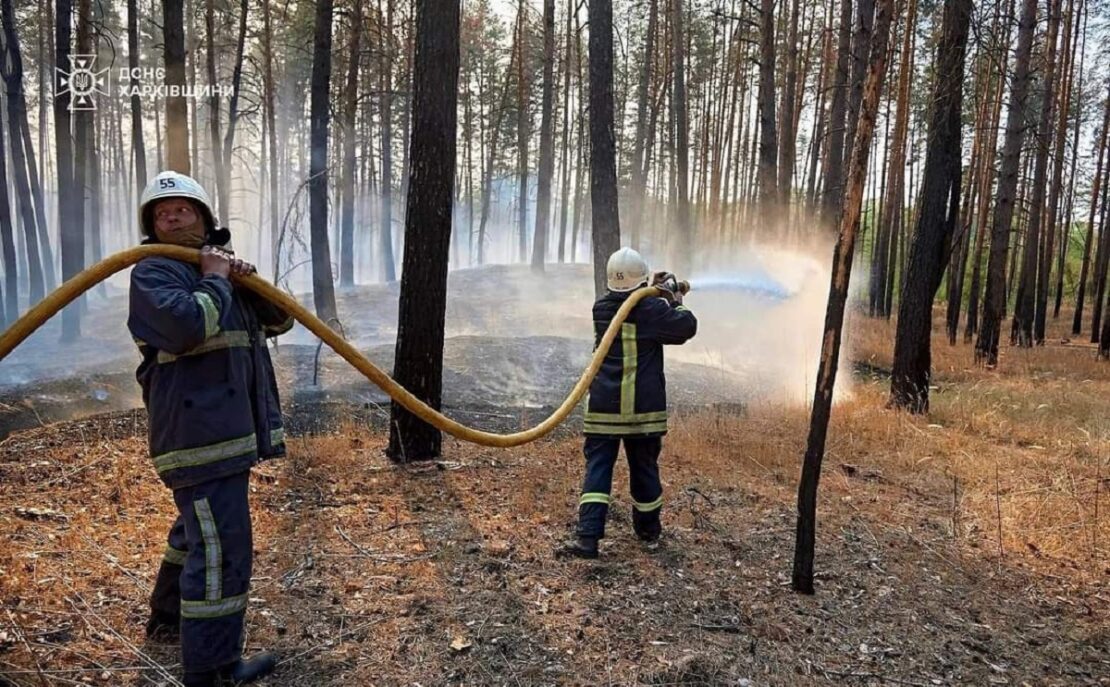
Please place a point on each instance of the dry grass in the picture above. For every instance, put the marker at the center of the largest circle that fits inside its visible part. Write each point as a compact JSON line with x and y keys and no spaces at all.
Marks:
{"x":969,"y":547}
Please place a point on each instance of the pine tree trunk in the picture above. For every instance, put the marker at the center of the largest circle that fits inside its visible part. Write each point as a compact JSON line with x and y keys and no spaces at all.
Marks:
{"x":893,"y":199}
{"x":565,"y":157}
{"x":523,"y":134}
{"x":940,"y":193}
{"x":487,"y":177}
{"x":177,"y":113}
{"x":269,"y":112}
{"x":71,"y":237}
{"x":389,"y":263}
{"x":768,"y":137}
{"x":323,"y":290}
{"x":547,"y":140}
{"x":1027,"y":287}
{"x":994,"y":302}
{"x":423,"y":301}
{"x":8,"y":247}
{"x":137,"y":144}
{"x":1055,"y":188}
{"x":1104,"y":140}
{"x":639,"y":169}
{"x":214,"y":109}
{"x":1102,"y":261}
{"x":233,"y":101}
{"x":350,"y":111}
{"x":606,"y":230}
{"x":681,"y":255}
{"x":787,"y":147}
{"x":802,"y":580}
{"x":833,"y":183}
{"x":17,"y":114}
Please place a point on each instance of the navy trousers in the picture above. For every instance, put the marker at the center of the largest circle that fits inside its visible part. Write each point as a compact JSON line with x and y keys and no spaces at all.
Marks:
{"x":643,"y":470}
{"x":206,"y":571}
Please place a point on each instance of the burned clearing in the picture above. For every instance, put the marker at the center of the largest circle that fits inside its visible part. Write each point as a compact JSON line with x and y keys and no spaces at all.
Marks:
{"x":968,"y":548}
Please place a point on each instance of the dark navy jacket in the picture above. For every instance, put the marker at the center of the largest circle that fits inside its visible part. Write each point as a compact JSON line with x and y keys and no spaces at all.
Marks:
{"x":629,"y":395}
{"x":208,"y":383}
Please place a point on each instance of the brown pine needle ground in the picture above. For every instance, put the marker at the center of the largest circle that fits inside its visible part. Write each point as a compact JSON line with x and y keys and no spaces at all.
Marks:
{"x":969,"y":547}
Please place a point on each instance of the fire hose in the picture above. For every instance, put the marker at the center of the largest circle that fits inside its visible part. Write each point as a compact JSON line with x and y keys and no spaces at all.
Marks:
{"x":83,"y":281}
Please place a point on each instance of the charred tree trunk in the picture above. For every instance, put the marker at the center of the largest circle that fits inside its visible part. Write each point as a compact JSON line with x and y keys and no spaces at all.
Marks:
{"x":350,"y":111}
{"x":523,"y":134}
{"x":994,"y":303}
{"x":233,"y":101}
{"x":1053,"y":208}
{"x":8,"y":249}
{"x":1027,"y":287}
{"x":177,"y":111}
{"x":270,"y":124}
{"x":893,"y":200}
{"x":214,"y":109}
{"x":547,"y":140}
{"x":1077,"y":323}
{"x":17,"y":115}
{"x":71,"y":235}
{"x":389,"y":263}
{"x":606,"y":230}
{"x":833,"y":184}
{"x":137,"y":145}
{"x":838,"y":297}
{"x":787,"y":145}
{"x":682,"y":139}
{"x":768,"y":137}
{"x":639,"y":166}
{"x":487,"y":176}
{"x":940,"y":194}
{"x":423,"y":302}
{"x":323,"y":290}
{"x":565,"y":158}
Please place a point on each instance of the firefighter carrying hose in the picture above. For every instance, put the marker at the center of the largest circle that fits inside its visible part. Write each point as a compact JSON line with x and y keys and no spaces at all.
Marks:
{"x":212,"y":401}
{"x":628,"y":400}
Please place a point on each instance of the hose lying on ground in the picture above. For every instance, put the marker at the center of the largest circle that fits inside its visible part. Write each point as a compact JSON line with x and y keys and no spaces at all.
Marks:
{"x":82,"y":282}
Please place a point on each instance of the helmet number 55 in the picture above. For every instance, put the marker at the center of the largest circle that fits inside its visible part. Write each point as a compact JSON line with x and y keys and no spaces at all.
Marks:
{"x":166,"y":183}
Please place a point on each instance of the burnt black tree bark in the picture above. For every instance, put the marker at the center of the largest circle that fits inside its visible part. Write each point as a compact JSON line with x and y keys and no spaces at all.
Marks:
{"x":547,"y":140}
{"x":323,"y":290}
{"x":603,"y":145}
{"x":1103,"y":141}
{"x":1025,"y":311}
{"x":7,"y":247}
{"x":347,"y":192}
{"x":177,"y":111}
{"x":681,"y":139}
{"x":71,"y":238}
{"x":939,"y":211}
{"x":994,"y":302}
{"x":768,"y":137}
{"x":833,"y":185}
{"x":806,"y":533}
{"x":385,"y":103}
{"x":423,"y":302}
{"x":17,"y":115}
{"x":137,"y":144}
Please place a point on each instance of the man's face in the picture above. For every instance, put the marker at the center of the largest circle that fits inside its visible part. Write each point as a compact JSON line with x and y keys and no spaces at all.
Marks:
{"x":177,"y":221}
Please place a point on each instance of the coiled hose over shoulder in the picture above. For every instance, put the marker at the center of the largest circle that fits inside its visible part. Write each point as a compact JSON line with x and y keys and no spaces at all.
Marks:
{"x":80,"y":283}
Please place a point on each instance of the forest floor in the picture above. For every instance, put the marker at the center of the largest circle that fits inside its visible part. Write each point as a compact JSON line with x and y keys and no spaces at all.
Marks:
{"x":971,"y":547}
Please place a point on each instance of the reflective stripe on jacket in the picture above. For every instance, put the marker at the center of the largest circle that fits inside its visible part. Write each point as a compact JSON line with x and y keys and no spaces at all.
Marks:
{"x":207,"y":379}
{"x":629,"y":395}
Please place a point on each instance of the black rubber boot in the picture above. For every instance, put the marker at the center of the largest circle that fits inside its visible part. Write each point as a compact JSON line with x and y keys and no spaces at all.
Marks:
{"x":582,"y":547}
{"x":240,"y":673}
{"x":252,"y":668}
{"x":163,"y":628}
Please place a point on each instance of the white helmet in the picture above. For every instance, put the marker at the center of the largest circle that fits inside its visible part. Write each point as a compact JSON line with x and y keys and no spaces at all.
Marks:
{"x":173,"y":185}
{"x":626,"y":271}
